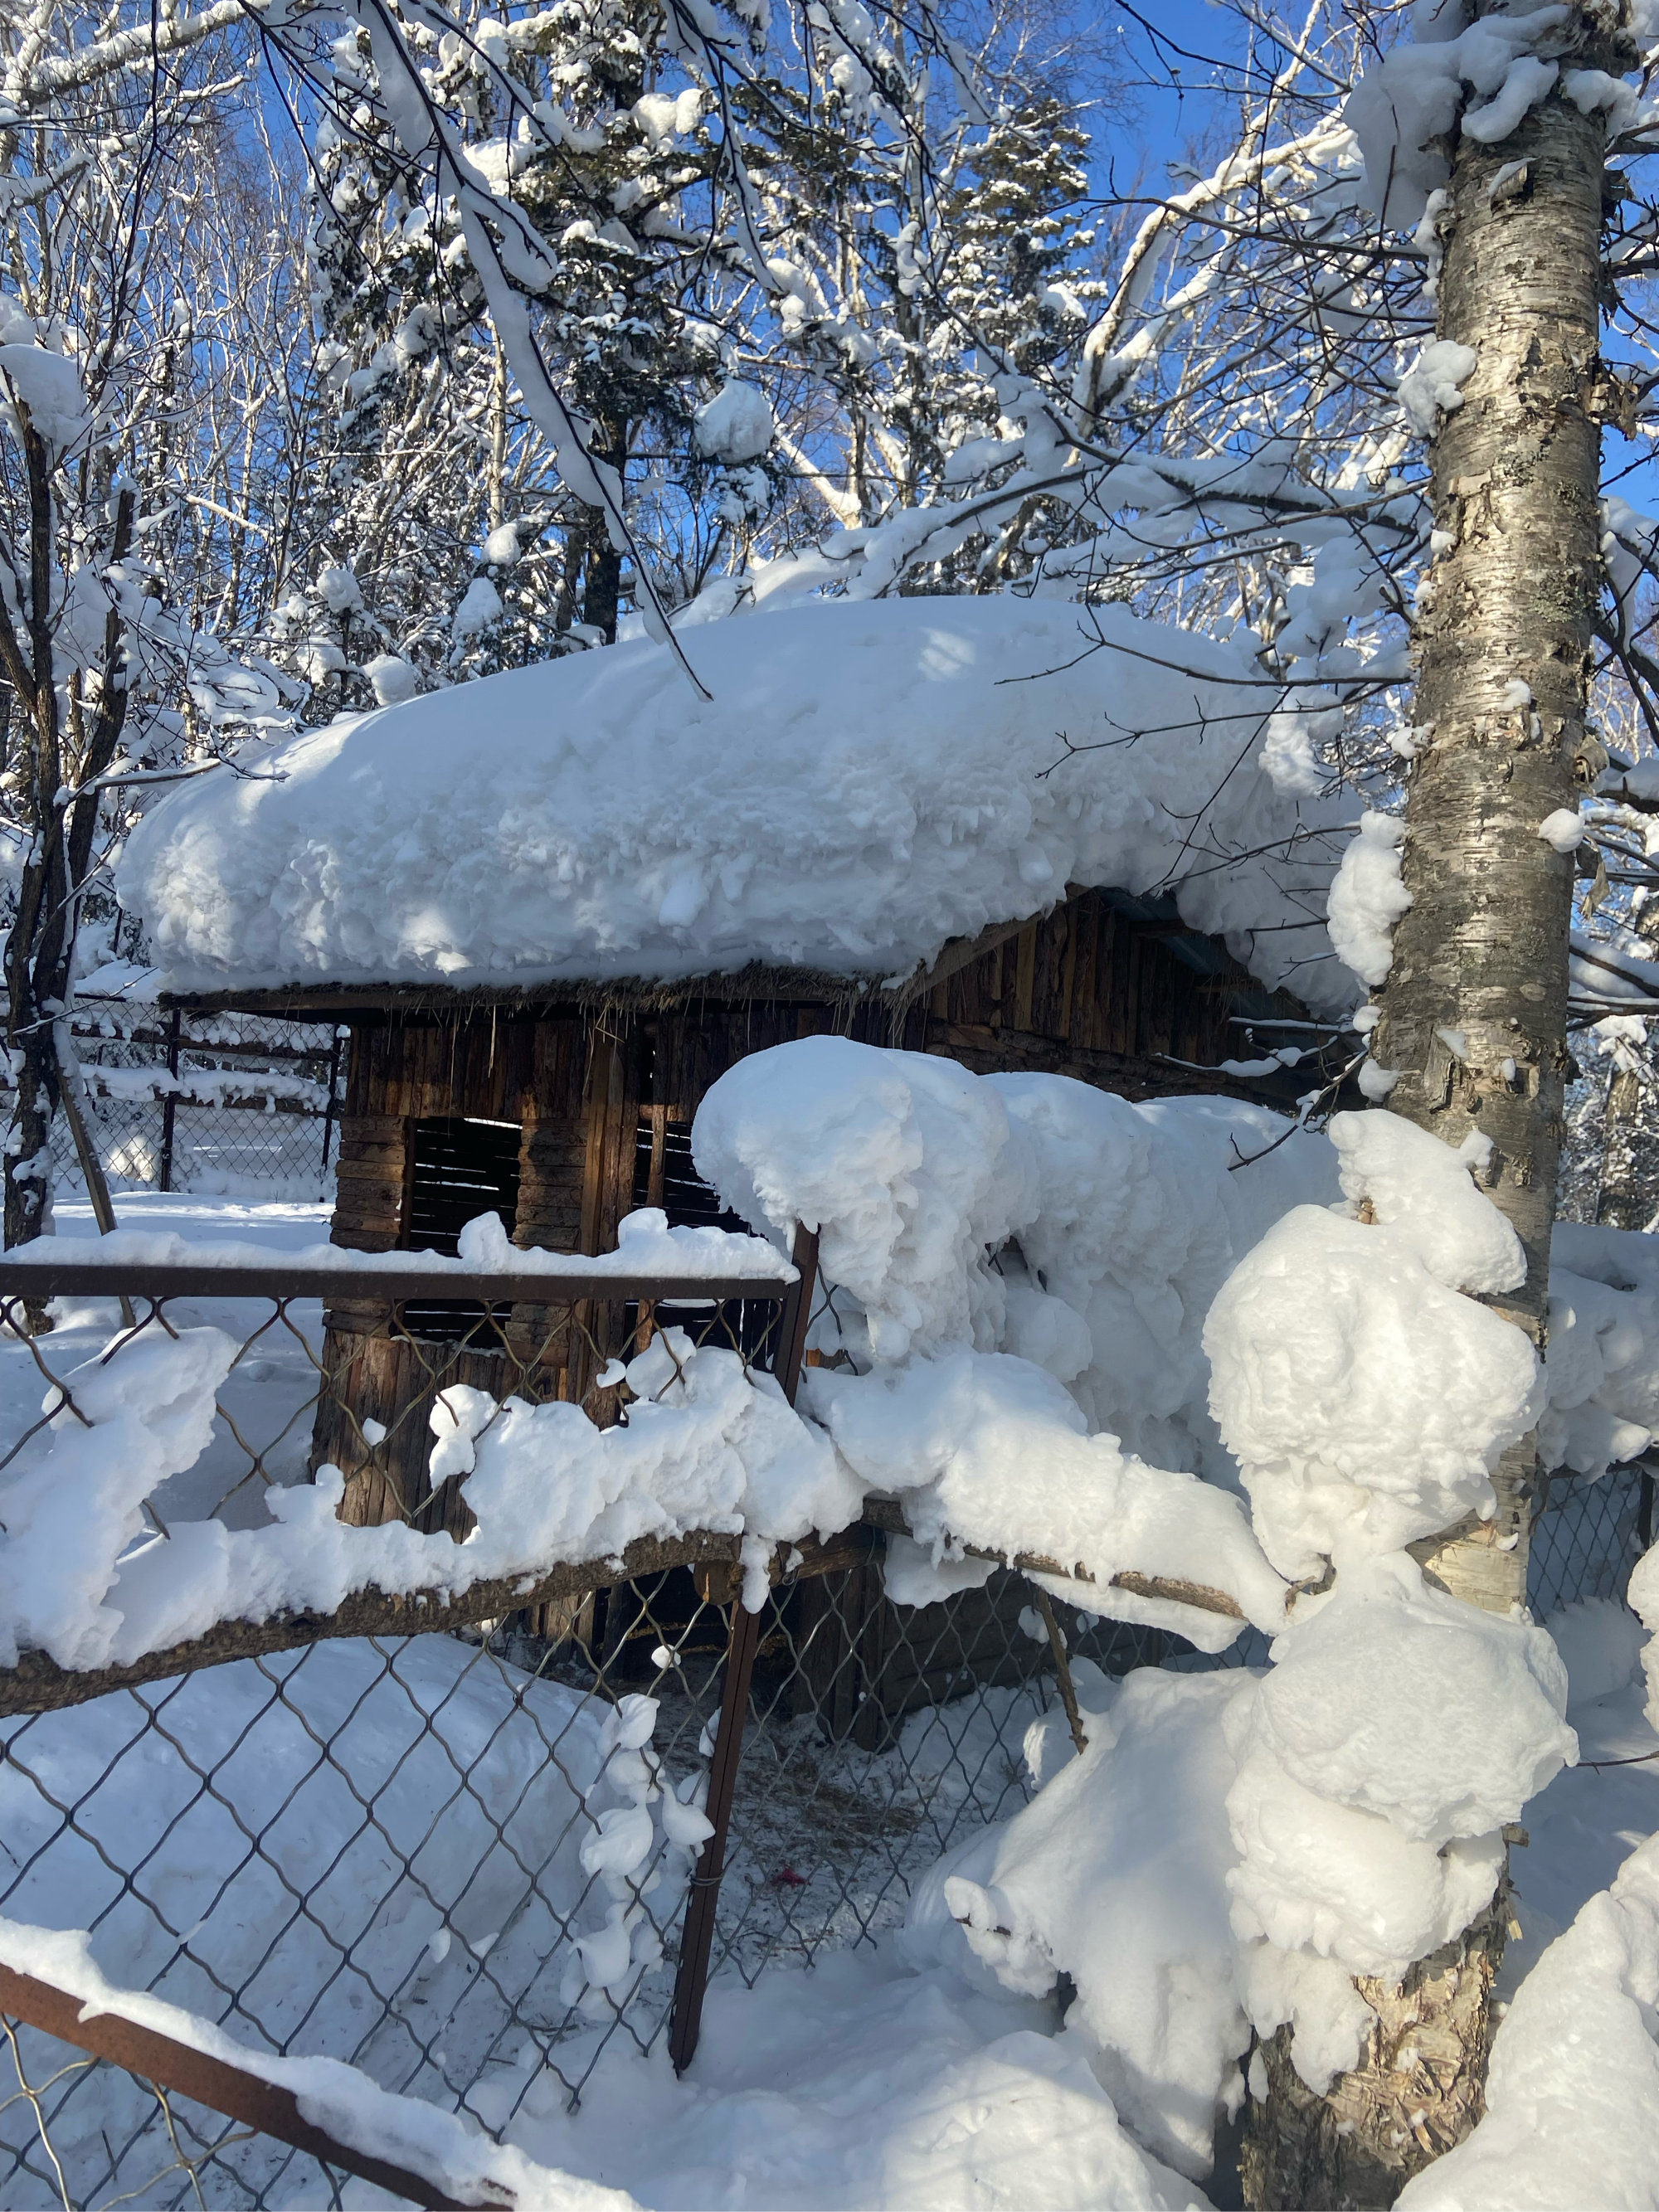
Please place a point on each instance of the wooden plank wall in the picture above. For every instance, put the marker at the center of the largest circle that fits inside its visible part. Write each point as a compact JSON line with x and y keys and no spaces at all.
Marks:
{"x":543,"y":1075}
{"x":1086,"y":991}
{"x":1089,"y":992}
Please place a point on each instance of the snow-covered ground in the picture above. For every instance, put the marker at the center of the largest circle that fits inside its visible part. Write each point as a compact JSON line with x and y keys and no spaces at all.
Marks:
{"x":864,"y":2082}
{"x":1585,"y":1826}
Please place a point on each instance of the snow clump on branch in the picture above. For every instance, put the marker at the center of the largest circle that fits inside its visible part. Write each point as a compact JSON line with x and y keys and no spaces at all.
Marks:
{"x":1366,"y":1398}
{"x":1432,"y":387}
{"x":1367,"y":898}
{"x":47,"y":386}
{"x":736,"y":425}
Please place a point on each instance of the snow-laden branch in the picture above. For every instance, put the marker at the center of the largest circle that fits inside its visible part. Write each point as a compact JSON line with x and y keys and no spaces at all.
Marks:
{"x":33,"y":80}
{"x":1105,"y":361}
{"x":512,"y":265}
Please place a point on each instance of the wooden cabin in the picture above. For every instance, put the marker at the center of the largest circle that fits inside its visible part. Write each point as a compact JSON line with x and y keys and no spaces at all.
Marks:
{"x":545,"y":1063}
{"x":564,"y":1115}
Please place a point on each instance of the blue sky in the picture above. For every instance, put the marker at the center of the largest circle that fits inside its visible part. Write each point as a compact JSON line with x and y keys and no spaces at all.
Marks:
{"x":1177,"y":100}
{"x":1174,"y":94}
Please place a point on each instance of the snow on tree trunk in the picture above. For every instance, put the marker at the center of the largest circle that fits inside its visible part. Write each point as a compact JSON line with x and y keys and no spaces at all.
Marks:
{"x":1473,"y":1010}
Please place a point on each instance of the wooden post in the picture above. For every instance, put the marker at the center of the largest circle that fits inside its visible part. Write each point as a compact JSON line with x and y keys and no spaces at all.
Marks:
{"x":1062,"y":1667}
{"x":697,"y":1940}
{"x":92,"y":1168}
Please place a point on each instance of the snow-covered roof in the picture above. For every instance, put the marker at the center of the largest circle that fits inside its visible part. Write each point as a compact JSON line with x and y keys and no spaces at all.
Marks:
{"x":867,"y":781}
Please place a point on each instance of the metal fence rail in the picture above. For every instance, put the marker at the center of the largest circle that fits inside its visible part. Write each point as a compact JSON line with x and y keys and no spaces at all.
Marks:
{"x":454,"y":1845}
{"x":203,"y":2103}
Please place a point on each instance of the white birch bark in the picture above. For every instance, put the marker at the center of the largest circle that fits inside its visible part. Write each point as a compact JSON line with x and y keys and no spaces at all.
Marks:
{"x":1474,"y":1008}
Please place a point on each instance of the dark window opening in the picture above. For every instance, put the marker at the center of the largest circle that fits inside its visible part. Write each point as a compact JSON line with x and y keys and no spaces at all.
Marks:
{"x":687,"y":1199}
{"x":691,"y":1203}
{"x":458,"y":1168}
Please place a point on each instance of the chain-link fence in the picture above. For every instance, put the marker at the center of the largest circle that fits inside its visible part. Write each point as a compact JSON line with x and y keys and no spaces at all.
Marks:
{"x":1587,"y":1538}
{"x":230,"y":1104}
{"x":460,"y":1860}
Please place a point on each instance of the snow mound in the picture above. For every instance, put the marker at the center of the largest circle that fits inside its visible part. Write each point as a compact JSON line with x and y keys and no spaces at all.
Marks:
{"x":1600,"y":1642}
{"x":857,"y":2087}
{"x":1355,"y":1707}
{"x":1643,"y":1594}
{"x":1602,"y":1365}
{"x":72,"y":1501}
{"x":1027,"y":1214}
{"x":49,"y":385}
{"x":903,"y":1162}
{"x":1367,"y":1804}
{"x":1115,"y":1873}
{"x":1407,"y":109}
{"x":1417,"y":1185}
{"x":1368,"y":896}
{"x":867,"y":780}
{"x":1014,"y":1260}
{"x":1573,"y":2084}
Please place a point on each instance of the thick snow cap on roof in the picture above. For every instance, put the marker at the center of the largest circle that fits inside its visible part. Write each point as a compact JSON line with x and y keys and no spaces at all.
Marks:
{"x":868,"y":781}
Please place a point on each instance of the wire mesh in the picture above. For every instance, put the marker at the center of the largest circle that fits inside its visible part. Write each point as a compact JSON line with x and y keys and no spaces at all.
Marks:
{"x":459,"y":1862}
{"x":250,"y":1110}
{"x":456,"y":1861}
{"x":879,"y":1735}
{"x":413,"y":1856}
{"x":184,"y":2140}
{"x":357,"y":1389}
{"x":1588,"y":1537}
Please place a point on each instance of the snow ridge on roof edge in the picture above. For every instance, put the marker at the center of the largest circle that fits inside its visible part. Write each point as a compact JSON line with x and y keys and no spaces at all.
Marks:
{"x":871,"y":783}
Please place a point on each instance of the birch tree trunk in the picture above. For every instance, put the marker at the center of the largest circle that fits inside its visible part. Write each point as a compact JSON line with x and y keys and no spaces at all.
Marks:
{"x":1473,"y":1012}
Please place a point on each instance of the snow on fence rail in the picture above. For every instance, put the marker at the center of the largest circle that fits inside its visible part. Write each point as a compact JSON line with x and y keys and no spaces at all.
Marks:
{"x":431,"y":1837}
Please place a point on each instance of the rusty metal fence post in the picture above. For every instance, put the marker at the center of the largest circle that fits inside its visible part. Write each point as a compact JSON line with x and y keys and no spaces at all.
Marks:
{"x":333,"y":1105}
{"x":696,"y":1941}
{"x":170,"y":1105}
